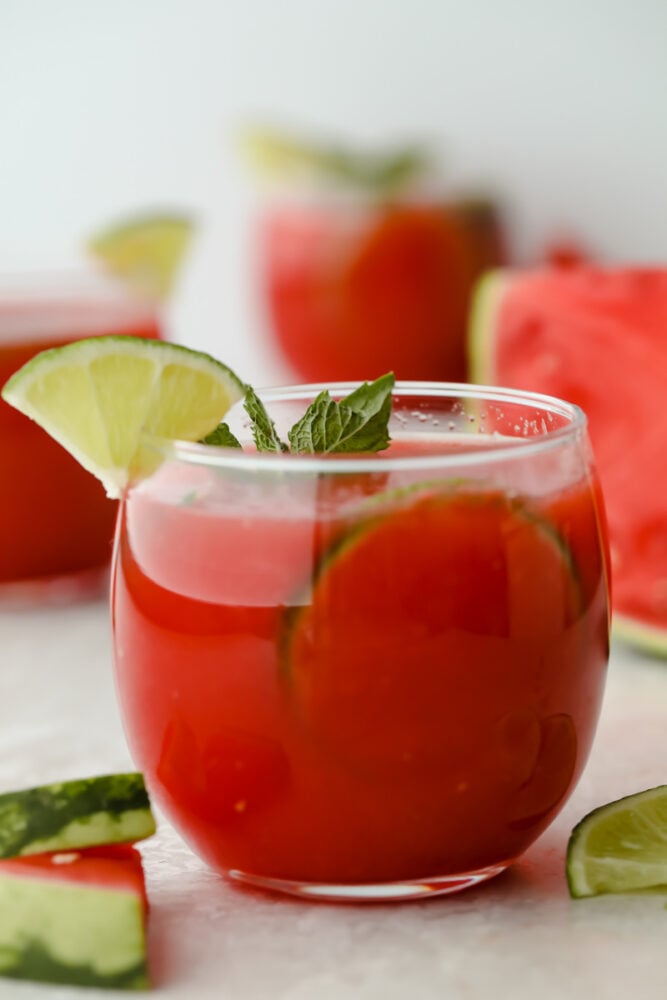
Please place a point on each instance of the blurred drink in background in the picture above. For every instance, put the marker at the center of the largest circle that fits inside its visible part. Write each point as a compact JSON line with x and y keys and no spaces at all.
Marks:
{"x":356,"y":291}
{"x":361,"y":273}
{"x":56,"y":523}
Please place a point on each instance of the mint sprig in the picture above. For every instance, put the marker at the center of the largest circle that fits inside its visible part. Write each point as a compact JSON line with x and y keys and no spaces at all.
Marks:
{"x":263,"y":429}
{"x":222,"y":437}
{"x":358,"y":422}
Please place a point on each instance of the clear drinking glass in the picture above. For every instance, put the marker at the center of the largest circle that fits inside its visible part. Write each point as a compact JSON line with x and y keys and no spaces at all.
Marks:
{"x":56,"y":523}
{"x":354,"y":287}
{"x":367,"y":677}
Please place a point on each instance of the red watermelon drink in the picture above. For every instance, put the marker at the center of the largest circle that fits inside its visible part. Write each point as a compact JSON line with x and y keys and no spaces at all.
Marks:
{"x":371,"y":676}
{"x":56,"y":523}
{"x":362,"y":265}
{"x":353,"y":290}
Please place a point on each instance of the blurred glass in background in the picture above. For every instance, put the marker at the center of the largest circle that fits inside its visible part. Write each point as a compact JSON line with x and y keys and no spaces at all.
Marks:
{"x":552,"y":111}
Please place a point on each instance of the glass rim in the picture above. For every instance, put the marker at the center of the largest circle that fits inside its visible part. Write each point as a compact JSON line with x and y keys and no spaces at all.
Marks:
{"x":47,"y":304}
{"x":280,"y":198}
{"x":33,"y":284}
{"x":498,"y":449}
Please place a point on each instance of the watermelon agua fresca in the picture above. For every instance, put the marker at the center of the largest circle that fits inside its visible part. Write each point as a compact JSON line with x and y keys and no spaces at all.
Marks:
{"x":597,"y":337}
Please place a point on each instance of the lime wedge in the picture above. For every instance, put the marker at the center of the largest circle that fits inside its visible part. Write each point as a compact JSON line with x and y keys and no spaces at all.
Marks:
{"x":272,"y":153}
{"x":98,"y":396}
{"x":621,"y":846}
{"x":145,"y":252}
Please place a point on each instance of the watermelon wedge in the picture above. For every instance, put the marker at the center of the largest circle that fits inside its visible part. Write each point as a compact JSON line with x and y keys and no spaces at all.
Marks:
{"x":598,"y":338}
{"x":75,"y":917}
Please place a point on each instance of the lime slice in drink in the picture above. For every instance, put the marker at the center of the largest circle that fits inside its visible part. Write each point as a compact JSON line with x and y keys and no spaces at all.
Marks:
{"x":621,"y":846}
{"x":98,"y":396}
{"x":403,"y":611}
{"x":145,"y":252}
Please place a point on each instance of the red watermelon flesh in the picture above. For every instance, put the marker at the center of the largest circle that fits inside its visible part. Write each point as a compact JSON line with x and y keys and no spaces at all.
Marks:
{"x":116,"y":867}
{"x":597,"y":337}
{"x":75,"y":917}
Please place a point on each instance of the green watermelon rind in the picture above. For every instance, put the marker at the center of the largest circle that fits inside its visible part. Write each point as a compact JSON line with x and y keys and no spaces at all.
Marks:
{"x":80,"y":935}
{"x":107,"y":809}
{"x":487,"y":296}
{"x":647,"y":638}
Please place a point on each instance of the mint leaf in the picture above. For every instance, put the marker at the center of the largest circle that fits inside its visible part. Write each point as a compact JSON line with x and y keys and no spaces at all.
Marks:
{"x":373,"y":399}
{"x":221,"y":437}
{"x":263,"y":429}
{"x":359,"y":422}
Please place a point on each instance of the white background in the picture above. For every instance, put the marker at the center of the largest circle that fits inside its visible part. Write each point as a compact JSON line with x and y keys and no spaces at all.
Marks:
{"x":108,"y":107}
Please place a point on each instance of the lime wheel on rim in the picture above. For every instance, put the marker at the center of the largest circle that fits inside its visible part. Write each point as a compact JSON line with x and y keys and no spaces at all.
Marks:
{"x":98,"y":396}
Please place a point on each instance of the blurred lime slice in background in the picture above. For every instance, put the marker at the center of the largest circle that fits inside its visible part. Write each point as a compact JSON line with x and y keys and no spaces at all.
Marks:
{"x":277,"y":154}
{"x":146,"y":252}
{"x":98,"y":396}
{"x":621,"y":846}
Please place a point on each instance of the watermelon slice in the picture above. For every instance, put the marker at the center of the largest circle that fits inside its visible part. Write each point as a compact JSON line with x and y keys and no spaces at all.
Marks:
{"x":75,"y":917}
{"x":597,"y":337}
{"x":108,"y":809}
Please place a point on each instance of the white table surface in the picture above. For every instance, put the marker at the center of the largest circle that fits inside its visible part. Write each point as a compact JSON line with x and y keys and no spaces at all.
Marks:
{"x":519,"y":936}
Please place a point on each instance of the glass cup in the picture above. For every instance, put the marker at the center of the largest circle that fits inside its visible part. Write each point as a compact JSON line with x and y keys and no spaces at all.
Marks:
{"x":355,"y":288}
{"x":367,"y":677}
{"x":56,"y":523}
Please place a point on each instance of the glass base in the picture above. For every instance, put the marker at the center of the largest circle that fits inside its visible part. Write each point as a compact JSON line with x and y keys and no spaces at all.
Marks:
{"x":381,"y":892}
{"x":55,"y":591}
